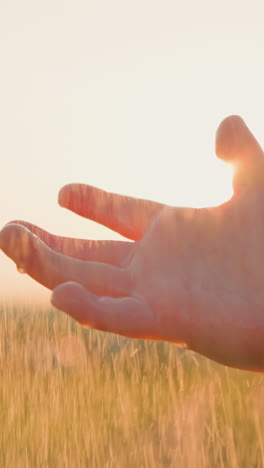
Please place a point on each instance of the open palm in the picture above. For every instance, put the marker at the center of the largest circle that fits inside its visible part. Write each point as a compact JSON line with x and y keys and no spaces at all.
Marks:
{"x":192,"y":276}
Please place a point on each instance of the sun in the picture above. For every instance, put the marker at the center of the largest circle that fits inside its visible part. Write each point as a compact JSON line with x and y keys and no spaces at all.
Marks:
{"x":214,"y":185}
{"x":203,"y":184}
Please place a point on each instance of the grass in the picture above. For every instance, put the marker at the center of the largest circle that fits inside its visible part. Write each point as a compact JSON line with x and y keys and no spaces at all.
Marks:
{"x":71,"y":397}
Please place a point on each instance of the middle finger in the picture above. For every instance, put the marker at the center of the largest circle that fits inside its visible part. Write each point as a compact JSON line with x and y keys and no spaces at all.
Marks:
{"x":112,"y":252}
{"x":51,"y":268}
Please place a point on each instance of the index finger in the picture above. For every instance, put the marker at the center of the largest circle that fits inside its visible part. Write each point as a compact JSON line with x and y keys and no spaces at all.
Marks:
{"x":128,"y":216}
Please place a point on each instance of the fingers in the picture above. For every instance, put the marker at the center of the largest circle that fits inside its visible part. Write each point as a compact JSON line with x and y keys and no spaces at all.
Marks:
{"x":50,"y":268}
{"x":236,"y":144}
{"x":128,"y":216}
{"x":128,"y":316}
{"x":112,"y":252}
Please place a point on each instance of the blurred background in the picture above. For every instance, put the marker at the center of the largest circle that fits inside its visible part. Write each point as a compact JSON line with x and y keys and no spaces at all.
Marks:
{"x":122,"y":95}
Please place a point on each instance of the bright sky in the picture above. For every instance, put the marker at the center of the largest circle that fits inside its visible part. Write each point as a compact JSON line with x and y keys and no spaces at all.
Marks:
{"x":124,"y":95}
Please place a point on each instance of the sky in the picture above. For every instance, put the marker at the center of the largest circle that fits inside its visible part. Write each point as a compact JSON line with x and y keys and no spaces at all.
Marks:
{"x":123,"y":95}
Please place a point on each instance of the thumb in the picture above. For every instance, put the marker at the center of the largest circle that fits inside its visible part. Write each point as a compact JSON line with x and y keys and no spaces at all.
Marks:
{"x":235,"y":144}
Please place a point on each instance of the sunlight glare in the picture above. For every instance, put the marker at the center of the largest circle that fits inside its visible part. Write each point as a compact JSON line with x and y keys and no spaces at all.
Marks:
{"x":205,"y":184}
{"x":214,"y":186}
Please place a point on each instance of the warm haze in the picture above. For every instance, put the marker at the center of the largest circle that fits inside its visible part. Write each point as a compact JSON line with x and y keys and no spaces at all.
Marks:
{"x":123,"y":96}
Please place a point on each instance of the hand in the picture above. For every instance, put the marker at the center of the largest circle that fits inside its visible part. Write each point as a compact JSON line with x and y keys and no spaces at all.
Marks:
{"x":193,"y":276}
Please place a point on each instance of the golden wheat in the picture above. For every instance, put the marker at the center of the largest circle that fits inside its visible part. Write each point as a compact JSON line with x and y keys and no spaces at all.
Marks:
{"x":71,"y":397}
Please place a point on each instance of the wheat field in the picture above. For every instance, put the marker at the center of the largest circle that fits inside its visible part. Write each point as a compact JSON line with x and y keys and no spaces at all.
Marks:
{"x":71,"y":397}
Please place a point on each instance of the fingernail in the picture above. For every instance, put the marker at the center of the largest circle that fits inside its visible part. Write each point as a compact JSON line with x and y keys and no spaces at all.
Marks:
{"x":228,"y":138}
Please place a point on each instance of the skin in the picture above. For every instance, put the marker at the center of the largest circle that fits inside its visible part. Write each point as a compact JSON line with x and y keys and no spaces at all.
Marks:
{"x":194,"y":277}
